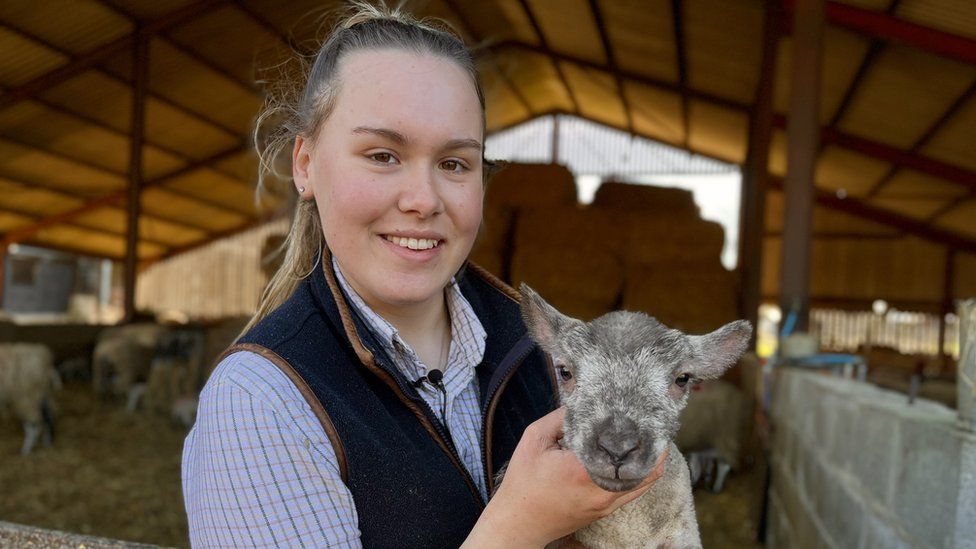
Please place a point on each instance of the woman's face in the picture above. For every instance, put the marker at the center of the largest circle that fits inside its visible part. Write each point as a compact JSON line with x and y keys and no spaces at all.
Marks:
{"x":396,"y":173}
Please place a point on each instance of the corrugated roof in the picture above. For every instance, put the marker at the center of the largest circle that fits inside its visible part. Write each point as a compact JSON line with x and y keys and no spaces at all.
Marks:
{"x":898,"y":109}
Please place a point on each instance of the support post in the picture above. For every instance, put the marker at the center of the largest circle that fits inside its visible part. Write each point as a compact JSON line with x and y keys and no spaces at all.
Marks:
{"x":140,"y":73}
{"x":752,"y":213}
{"x":804,"y":137}
{"x":947,"y":298}
{"x":555,"y":139}
{"x":4,"y":248}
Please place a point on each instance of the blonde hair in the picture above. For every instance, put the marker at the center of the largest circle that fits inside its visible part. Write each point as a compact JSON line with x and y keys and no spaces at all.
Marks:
{"x":298,"y":107}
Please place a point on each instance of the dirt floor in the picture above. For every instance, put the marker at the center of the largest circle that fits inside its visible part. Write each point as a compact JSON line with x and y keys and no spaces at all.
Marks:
{"x":109,"y":473}
{"x":117,"y":475}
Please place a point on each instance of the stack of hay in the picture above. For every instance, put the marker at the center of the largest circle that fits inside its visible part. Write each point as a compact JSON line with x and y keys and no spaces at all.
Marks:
{"x":517,"y":188}
{"x":637,"y":247}
{"x":572,"y":256}
{"x":671,"y":257}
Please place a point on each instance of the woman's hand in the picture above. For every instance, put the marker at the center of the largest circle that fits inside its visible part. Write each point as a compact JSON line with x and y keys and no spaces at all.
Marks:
{"x":547,"y":494}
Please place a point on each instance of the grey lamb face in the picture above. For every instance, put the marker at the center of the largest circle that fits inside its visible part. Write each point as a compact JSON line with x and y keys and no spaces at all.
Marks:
{"x":625,"y":378}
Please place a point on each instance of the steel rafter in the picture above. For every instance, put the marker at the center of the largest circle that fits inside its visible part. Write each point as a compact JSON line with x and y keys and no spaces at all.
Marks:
{"x":117,"y":197}
{"x":677,"y":21}
{"x":863,"y":210}
{"x":612,"y":62}
{"x":887,"y":27}
{"x":90,"y":60}
{"x":862,"y":145}
{"x":545,"y":46}
{"x":492,"y":55}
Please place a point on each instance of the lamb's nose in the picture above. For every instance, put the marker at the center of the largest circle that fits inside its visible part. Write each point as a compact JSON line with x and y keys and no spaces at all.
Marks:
{"x":618,"y":439}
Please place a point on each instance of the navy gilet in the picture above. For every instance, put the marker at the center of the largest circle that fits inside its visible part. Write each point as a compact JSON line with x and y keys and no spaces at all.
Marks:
{"x":409,"y":486}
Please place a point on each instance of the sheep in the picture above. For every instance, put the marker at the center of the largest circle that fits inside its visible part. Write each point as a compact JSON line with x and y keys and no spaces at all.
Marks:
{"x":172,"y":374}
{"x":713,"y":428}
{"x":183,"y":412}
{"x":27,"y":378}
{"x":625,"y":378}
{"x":121,"y":361}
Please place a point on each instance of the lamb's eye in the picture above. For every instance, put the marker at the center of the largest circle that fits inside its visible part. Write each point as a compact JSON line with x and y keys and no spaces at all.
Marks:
{"x":564,"y":373}
{"x":682,"y":380}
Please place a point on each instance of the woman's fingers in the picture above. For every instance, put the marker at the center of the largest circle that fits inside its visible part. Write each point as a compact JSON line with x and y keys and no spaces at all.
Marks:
{"x":549,"y":428}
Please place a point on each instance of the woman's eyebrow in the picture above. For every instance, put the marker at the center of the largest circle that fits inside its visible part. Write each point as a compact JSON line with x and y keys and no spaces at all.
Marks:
{"x":455,"y":144}
{"x":401,"y":139}
{"x":392,"y":135}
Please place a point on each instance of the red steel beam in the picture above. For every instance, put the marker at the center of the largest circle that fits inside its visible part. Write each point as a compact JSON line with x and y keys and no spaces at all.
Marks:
{"x":886,"y":27}
{"x":249,"y":224}
{"x":85,"y":62}
{"x":545,"y":46}
{"x":863,"y":210}
{"x":899,"y":157}
{"x":111,"y":199}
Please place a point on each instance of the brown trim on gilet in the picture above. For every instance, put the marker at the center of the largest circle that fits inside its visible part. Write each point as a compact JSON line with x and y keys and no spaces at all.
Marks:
{"x":306,"y":391}
{"x":366,"y":357}
{"x":515,"y":296}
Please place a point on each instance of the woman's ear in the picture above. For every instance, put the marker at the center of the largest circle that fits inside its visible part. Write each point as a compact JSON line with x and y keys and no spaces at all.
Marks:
{"x":301,"y":159}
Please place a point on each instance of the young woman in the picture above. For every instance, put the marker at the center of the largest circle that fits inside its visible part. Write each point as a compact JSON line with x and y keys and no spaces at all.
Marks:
{"x":384,"y":381}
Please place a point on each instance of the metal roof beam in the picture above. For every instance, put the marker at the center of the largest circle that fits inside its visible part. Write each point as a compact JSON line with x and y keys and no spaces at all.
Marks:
{"x":109,"y":171}
{"x":863,"y":210}
{"x":864,"y":146}
{"x":116,"y":197}
{"x":545,"y":46}
{"x":933,"y":129}
{"x":78,"y":65}
{"x":87,"y":119}
{"x":250,"y":87}
{"x":888,"y":27}
{"x":79,"y":226}
{"x":199,"y":244}
{"x":677,"y":19}
{"x":612,"y":61}
{"x":491,"y":54}
{"x":71,"y":196}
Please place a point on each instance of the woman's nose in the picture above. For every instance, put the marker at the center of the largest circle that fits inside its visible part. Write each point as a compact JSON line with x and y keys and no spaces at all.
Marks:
{"x":420,"y":195}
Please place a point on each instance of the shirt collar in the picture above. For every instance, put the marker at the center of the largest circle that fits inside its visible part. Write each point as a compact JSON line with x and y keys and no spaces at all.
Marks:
{"x":468,"y":336}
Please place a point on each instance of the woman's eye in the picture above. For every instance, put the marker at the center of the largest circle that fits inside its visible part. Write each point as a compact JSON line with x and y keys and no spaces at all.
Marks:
{"x":564,"y":373}
{"x":383,"y":157}
{"x":453,"y":166}
{"x":682,"y":380}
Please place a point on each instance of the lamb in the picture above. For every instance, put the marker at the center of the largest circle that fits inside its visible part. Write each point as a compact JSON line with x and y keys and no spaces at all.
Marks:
{"x":173,"y":369}
{"x":121,"y":361}
{"x":625,"y":378}
{"x":713,"y":429}
{"x":27,"y":378}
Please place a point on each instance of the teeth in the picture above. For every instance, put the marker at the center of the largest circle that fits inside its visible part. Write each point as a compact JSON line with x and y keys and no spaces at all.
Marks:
{"x":413,"y":243}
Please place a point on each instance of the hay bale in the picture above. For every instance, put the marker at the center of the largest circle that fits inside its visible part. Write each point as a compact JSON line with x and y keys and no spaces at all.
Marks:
{"x":645,"y":199}
{"x":585,"y":230}
{"x":531,"y":185}
{"x":517,"y":188}
{"x":672,"y":238}
{"x":491,"y":248}
{"x":692,"y":298}
{"x":572,"y":257}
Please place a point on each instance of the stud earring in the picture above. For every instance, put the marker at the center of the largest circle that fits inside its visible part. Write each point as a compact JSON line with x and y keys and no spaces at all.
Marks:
{"x":301,"y":189}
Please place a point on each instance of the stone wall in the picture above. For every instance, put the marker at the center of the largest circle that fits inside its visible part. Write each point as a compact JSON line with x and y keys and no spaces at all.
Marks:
{"x":857,"y":466}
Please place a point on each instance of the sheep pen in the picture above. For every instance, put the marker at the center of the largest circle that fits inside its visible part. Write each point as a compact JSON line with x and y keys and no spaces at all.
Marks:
{"x":106,"y":460}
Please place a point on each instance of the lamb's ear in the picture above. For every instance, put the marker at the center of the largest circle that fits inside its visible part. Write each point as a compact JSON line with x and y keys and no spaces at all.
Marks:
{"x":542,"y":320}
{"x":716,"y":351}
